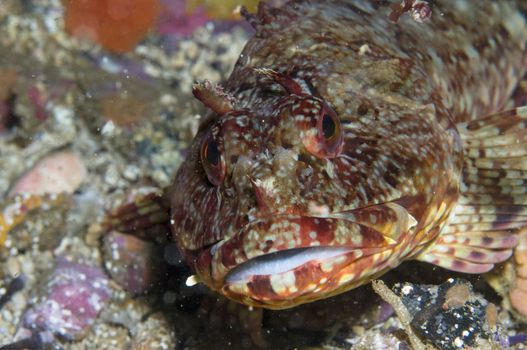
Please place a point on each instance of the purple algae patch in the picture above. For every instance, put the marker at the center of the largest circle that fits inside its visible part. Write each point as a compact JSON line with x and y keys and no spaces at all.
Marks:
{"x":76,"y":293}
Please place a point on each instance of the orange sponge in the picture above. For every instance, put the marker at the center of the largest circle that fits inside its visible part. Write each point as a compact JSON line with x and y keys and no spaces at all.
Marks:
{"x":117,"y":25}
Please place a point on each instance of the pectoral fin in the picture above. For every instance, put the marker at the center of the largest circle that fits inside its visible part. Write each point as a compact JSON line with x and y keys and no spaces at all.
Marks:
{"x":492,"y":207}
{"x":144,"y":213}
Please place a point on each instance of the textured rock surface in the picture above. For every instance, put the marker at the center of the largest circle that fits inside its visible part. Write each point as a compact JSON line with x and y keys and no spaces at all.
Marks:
{"x":73,"y":296}
{"x":450,"y":316}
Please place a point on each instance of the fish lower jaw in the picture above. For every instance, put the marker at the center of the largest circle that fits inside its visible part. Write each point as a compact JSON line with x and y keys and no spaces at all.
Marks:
{"x":291,"y":277}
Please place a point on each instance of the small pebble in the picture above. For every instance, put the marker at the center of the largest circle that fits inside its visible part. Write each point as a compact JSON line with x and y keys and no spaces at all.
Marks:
{"x":57,"y":173}
{"x":457,"y":296}
{"x":492,"y":315}
{"x":13,"y":267}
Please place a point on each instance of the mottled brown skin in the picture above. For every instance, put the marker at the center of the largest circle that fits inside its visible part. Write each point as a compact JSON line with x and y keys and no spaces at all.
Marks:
{"x":387,"y":189}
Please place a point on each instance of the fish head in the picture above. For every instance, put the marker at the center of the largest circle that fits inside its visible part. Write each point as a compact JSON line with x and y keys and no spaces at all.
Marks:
{"x":286,"y":208}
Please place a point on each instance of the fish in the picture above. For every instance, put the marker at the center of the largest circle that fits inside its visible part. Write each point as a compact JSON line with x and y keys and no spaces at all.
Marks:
{"x":352,"y":136}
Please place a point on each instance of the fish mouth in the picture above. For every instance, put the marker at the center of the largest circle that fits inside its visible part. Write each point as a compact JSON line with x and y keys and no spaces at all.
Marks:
{"x":286,"y":260}
{"x":296,"y":276}
{"x":281,"y":262}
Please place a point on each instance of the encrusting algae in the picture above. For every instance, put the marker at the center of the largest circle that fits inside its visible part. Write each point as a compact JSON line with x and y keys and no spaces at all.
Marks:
{"x":117,"y":25}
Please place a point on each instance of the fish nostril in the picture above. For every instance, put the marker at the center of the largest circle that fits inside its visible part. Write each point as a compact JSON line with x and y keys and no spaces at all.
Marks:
{"x":304,"y":158}
{"x":308,"y":160}
{"x":287,"y":144}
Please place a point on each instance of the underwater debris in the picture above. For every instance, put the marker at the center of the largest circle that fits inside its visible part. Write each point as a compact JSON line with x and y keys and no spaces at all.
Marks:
{"x":153,"y":334}
{"x":401,"y":310}
{"x":450,"y":316}
{"x":43,"y":186}
{"x":15,"y":210}
{"x":15,"y":285}
{"x":117,"y":25}
{"x":457,"y":295}
{"x":134,"y":264}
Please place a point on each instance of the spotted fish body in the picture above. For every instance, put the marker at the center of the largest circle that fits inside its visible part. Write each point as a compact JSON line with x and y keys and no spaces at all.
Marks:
{"x":345,"y":142}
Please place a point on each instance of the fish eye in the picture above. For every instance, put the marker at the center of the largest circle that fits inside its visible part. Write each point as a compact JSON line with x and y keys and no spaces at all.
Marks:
{"x":212,"y":160}
{"x":329,"y":132}
{"x":329,"y":126}
{"x":211,"y":153}
{"x":319,"y":125}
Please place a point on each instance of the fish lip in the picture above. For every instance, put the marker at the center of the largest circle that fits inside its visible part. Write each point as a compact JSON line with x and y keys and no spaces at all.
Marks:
{"x":240,"y":273}
{"x":338,"y":251}
{"x":300,"y":282}
{"x":219,"y":262}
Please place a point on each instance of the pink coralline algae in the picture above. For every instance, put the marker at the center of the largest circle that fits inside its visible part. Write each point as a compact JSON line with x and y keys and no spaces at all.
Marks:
{"x":76,"y":293}
{"x":61,"y":172}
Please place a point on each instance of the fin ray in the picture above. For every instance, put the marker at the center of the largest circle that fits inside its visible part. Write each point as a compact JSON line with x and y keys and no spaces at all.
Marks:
{"x":144,"y":213}
{"x":490,"y":239}
{"x":512,"y":138}
{"x":472,"y":254}
{"x":496,"y":199}
{"x":492,"y":206}
{"x":496,"y":173}
{"x":491,"y":209}
{"x":452,"y":263}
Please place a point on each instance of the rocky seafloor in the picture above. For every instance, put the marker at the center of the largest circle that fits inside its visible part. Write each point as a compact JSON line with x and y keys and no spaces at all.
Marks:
{"x":103,"y":123}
